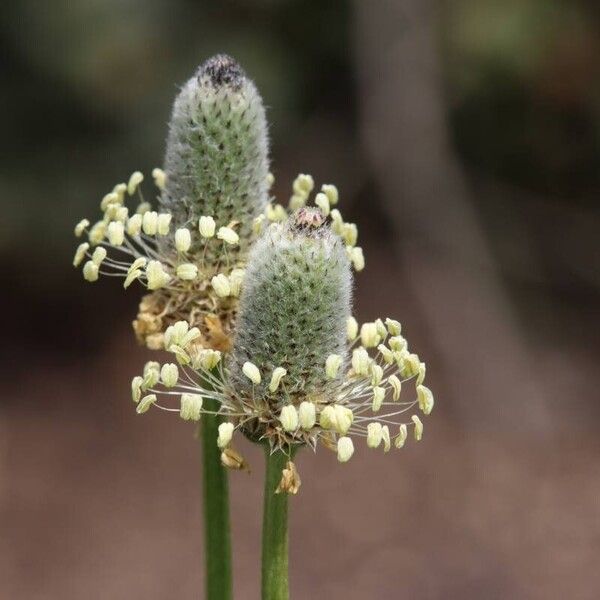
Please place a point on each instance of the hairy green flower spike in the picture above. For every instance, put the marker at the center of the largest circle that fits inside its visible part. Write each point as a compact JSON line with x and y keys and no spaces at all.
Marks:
{"x":293,"y":310}
{"x":216,"y":160}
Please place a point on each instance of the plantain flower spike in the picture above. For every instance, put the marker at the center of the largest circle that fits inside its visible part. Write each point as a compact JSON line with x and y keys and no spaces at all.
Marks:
{"x":294,"y":376}
{"x":214,"y":184}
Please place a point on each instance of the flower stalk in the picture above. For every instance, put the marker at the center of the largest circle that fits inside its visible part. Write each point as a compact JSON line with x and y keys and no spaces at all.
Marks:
{"x":275,"y":585}
{"x":217,"y":535}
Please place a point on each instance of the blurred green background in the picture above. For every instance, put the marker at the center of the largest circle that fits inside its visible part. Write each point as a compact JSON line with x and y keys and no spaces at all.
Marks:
{"x":464,"y":137}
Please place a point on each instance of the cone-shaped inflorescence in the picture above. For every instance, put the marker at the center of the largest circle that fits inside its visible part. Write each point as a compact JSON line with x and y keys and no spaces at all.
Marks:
{"x":293,"y":310}
{"x":216,"y":161}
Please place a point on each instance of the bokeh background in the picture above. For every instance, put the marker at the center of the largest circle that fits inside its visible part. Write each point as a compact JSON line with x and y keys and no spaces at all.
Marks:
{"x":465,"y":139}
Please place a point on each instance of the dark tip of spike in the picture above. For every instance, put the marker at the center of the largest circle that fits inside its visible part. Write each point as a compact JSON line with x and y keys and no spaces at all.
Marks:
{"x":222,"y":70}
{"x":307,"y":220}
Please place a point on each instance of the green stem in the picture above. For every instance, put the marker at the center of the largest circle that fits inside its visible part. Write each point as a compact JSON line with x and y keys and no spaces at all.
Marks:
{"x":275,"y":531}
{"x":217,"y":537}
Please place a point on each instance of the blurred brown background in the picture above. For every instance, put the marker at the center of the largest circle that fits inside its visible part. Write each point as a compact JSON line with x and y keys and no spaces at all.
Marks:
{"x":465,"y":139}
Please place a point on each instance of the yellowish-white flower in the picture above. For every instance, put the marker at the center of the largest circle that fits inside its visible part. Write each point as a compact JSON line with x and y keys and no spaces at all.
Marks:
{"x":156,"y":275}
{"x":136,"y":388}
{"x":396,"y":387}
{"x":150,"y":222}
{"x":251,"y":371}
{"x":331,"y":192}
{"x":322,"y":201}
{"x":378,"y":397}
{"x":169,"y":374}
{"x":332,"y":365}
{"x":81,"y":227}
{"x":183,"y":239}
{"x":225,"y":434}
{"x":163,"y":223}
{"x":207,"y":227}
{"x":345,"y":449}
{"x":276,"y":377}
{"x":401,"y":437}
{"x":160,"y":178}
{"x":145,"y":403}
{"x":221,"y":285}
{"x":228,"y":235}
{"x":418,"y":427}
{"x":191,"y":407}
{"x":187,"y":271}
{"x":236,"y":279}
{"x":80,"y":253}
{"x":289,"y":418}
{"x":90,"y":271}
{"x":425,"y":398}
{"x":374,"y":434}
{"x":134,"y":181}
{"x":115,"y":233}
{"x":351,"y":328}
{"x":307,"y":415}
{"x":369,"y":336}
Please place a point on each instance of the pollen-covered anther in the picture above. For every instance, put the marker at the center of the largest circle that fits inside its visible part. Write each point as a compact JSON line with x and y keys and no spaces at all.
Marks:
{"x":425,"y":399}
{"x":376,"y":374}
{"x":145,"y":403}
{"x":207,"y":227}
{"x":221,"y":285}
{"x":150,"y":222}
{"x":394,"y":327}
{"x":187,"y":271}
{"x":163,"y":223}
{"x":332,"y":365}
{"x":156,"y":275}
{"x":374,"y":434}
{"x":401,"y":437}
{"x":151,"y":374}
{"x":350,"y":234}
{"x":276,"y":377}
{"x":115,"y":233}
{"x":97,"y":233}
{"x":136,"y":388}
{"x":307,"y":415}
{"x":169,"y":374}
{"x":81,"y":227}
{"x":134,"y":181}
{"x":228,"y":235}
{"x":328,"y":417}
{"x":160,"y":178}
{"x":345,"y":449}
{"x":322,"y":201}
{"x":369,"y":336}
{"x":80,"y":253}
{"x":225,"y":434}
{"x":134,"y":225}
{"x":357,"y":258}
{"x":331,"y":192}
{"x":251,"y":371}
{"x":418,"y":427}
{"x":289,"y":418}
{"x":183,"y":239}
{"x":378,"y":396}
{"x":396,"y":385}
{"x":361,"y":361}
{"x":351,"y":328}
{"x":206,"y":358}
{"x":344,"y":417}
{"x":90,"y":271}
{"x":236,"y":278}
{"x":191,"y":407}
